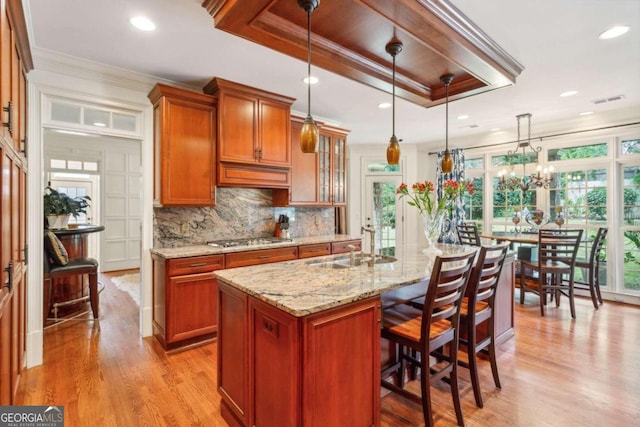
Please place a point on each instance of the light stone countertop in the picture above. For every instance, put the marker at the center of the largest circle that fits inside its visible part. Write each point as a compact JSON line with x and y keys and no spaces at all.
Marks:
{"x":198,"y":250}
{"x":300,"y":289}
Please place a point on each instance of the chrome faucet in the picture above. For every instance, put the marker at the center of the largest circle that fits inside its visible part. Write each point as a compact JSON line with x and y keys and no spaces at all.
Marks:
{"x":372,"y":232}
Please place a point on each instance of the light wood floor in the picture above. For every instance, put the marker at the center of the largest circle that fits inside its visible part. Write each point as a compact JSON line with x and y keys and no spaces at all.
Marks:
{"x":554,"y":372}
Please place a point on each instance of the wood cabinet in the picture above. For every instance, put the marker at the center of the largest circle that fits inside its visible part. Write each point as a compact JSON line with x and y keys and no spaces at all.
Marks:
{"x":342,"y":247}
{"x":184,"y":300}
{"x":318,"y":179}
{"x":254,"y":135}
{"x":15,"y":63}
{"x":185,"y":147}
{"x":261,"y":256}
{"x":280,"y":372}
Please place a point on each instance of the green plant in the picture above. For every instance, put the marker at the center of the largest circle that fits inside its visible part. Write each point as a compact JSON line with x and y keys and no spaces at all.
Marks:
{"x":58,"y":203}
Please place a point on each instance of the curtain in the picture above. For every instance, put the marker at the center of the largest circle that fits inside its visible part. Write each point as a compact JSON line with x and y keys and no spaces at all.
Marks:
{"x":456,"y":215}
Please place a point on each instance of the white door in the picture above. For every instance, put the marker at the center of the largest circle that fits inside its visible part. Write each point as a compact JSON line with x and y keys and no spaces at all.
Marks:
{"x":383,"y":212}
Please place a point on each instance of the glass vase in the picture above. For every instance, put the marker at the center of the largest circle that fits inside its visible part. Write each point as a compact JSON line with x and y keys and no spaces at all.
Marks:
{"x":432,"y":227}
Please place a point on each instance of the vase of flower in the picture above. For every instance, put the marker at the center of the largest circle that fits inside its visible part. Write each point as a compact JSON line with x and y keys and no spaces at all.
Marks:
{"x":432,"y":222}
{"x":433,"y":211}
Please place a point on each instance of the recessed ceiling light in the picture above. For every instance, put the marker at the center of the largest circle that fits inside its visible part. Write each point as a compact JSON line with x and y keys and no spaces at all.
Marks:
{"x":463,"y":116}
{"x":613,"y":32}
{"x":494,"y":129}
{"x":384,"y":105}
{"x":142,"y":23}
{"x":569,"y":93}
{"x":586,"y":113}
{"x":99,"y":124}
{"x":310,"y":80}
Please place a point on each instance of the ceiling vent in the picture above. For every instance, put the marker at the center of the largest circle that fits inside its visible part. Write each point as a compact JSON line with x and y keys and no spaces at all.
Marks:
{"x":611,"y":99}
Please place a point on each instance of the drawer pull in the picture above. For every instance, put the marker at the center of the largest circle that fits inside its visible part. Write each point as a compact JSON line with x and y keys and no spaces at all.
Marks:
{"x":200,"y":264}
{"x":264,"y":256}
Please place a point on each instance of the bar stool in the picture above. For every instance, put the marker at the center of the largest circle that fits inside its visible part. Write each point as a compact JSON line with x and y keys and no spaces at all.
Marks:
{"x":57,"y":266}
{"x":468,"y":234}
{"x":428,"y":331}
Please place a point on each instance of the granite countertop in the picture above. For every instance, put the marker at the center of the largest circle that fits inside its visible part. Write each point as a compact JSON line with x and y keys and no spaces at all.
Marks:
{"x":300,"y":288}
{"x":198,"y":250}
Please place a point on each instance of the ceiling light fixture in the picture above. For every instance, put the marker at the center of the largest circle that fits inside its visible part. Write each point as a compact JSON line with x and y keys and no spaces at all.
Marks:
{"x":310,"y":80}
{"x":142,"y":23}
{"x":541,"y":178}
{"x":586,"y":113}
{"x":462,"y":117}
{"x":309,"y":136}
{"x":384,"y":105}
{"x":393,"y":48}
{"x":613,"y":32}
{"x":568,"y":93}
{"x":447,"y":161}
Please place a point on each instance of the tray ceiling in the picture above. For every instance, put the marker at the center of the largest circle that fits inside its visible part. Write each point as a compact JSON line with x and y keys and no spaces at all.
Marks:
{"x":349,"y":38}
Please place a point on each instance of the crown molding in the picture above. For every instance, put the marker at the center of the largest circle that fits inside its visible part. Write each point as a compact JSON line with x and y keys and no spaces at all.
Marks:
{"x":55,"y":62}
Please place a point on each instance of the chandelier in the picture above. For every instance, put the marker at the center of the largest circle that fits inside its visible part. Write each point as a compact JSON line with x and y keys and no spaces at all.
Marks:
{"x":540,"y":179}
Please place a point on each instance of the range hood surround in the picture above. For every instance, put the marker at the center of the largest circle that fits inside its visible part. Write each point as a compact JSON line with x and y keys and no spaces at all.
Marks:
{"x":349,"y":37}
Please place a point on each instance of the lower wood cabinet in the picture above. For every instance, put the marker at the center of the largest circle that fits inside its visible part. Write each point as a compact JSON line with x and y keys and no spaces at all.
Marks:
{"x":319,"y":249}
{"x":184,"y":300}
{"x":275,"y":369}
{"x":342,"y":247}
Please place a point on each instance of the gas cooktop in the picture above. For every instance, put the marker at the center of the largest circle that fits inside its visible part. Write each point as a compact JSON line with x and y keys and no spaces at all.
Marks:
{"x":231,"y":243}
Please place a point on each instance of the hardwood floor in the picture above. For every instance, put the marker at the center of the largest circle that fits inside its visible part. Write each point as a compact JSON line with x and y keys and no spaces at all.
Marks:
{"x":554,"y":372}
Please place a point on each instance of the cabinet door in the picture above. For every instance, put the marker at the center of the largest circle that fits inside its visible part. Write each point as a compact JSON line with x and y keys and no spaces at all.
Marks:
{"x":324,"y":169}
{"x":275,"y":134}
{"x":238,"y":128}
{"x":304,"y":171}
{"x":339,"y":169}
{"x":5,"y":68}
{"x":5,"y":347}
{"x":342,"y":346}
{"x":193,"y":308}
{"x":275,"y":361}
{"x":187,"y":153}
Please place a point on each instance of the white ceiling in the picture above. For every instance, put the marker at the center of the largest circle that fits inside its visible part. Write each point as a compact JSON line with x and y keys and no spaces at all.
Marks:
{"x":555,"y":41}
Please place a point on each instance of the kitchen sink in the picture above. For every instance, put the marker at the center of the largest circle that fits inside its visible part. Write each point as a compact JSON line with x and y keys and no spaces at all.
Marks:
{"x":345,"y":262}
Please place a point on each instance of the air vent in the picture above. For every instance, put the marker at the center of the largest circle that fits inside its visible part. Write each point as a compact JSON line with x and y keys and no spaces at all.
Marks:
{"x":611,"y":99}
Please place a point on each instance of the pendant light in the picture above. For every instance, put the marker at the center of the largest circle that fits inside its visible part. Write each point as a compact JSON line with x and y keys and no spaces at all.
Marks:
{"x":309,"y":136}
{"x":447,"y":161}
{"x":393,"y":48}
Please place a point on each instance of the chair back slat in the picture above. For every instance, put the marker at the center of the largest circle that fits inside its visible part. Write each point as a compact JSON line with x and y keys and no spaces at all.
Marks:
{"x":468,"y":234}
{"x":486,"y":274}
{"x":449,"y":279}
{"x":598,"y":244}
{"x":558,"y":246}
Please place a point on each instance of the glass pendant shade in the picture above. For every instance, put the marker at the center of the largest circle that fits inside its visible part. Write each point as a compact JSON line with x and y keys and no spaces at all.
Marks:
{"x":309,"y":136}
{"x":447,"y":162}
{"x":393,"y":151}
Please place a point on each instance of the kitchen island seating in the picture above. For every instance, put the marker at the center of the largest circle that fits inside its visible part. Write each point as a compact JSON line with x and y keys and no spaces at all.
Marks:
{"x":58,"y":266}
{"x":591,"y":268}
{"x":468,"y":233}
{"x":557,"y":250}
{"x":478,"y":306}
{"x":428,"y":331}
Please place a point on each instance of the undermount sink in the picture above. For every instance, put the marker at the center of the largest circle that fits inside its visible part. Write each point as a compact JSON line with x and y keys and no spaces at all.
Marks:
{"x":345,"y":262}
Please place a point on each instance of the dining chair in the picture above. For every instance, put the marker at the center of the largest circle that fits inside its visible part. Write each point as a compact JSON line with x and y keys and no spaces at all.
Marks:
{"x":591,"y":267}
{"x":419,"y":334}
{"x":478,"y":308}
{"x":557,"y":250}
{"x":468,"y":233}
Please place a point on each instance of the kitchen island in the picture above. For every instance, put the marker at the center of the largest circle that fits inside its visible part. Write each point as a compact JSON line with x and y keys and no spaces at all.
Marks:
{"x":299,"y":341}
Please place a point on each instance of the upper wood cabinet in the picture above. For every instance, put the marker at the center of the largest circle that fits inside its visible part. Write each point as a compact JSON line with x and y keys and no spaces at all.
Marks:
{"x":254,"y":139}
{"x":185,"y":147}
{"x":318,"y":179}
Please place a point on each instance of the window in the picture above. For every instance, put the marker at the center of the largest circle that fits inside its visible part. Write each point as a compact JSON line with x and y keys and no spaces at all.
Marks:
{"x":580,"y":152}
{"x":504,"y":203}
{"x":631,"y":227}
{"x":473,"y":205}
{"x":630,"y":146}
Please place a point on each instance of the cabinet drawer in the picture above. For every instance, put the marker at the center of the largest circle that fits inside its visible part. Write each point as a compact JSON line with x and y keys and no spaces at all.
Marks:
{"x":319,"y":249}
{"x":200,"y":264}
{"x":341,"y":247}
{"x":264,"y":256}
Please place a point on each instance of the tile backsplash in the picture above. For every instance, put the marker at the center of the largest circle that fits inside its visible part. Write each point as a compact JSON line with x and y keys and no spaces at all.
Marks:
{"x":239,"y":213}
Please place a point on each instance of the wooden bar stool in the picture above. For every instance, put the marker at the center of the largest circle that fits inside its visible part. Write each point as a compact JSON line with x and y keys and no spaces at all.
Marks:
{"x":57,"y":265}
{"x":591,"y":266}
{"x":468,"y":234}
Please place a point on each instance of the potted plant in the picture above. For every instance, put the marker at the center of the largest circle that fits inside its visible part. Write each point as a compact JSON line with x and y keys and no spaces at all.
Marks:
{"x":58,"y":207}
